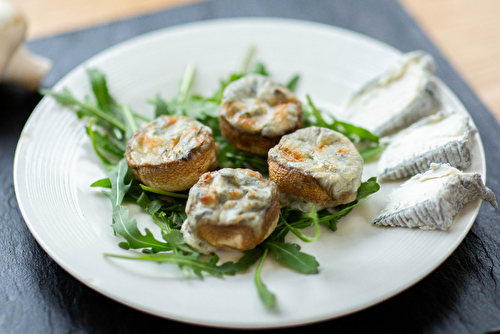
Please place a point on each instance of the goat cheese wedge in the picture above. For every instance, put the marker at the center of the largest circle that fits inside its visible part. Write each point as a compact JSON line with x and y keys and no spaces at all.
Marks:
{"x":430,"y":200}
{"x":396,"y":99}
{"x":233,"y":209}
{"x":256,"y":111}
{"x":440,"y":138}
{"x":315,"y":166}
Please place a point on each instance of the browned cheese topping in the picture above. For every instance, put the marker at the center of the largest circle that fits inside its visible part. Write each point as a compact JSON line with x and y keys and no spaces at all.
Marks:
{"x":315,"y":157}
{"x":256,"y":104}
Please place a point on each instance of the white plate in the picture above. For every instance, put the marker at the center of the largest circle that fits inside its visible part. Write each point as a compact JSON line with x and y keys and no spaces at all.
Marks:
{"x":360,"y":265}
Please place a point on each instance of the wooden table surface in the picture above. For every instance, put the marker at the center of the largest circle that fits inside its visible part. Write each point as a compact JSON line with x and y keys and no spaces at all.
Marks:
{"x":467,"y":31}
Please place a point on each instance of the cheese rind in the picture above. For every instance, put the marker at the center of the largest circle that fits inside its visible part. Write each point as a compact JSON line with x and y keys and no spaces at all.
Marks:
{"x":396,"y":99}
{"x":430,"y":200}
{"x":440,"y":138}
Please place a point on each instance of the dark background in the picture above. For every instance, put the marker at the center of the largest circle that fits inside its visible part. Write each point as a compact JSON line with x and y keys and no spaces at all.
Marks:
{"x":37,"y":296}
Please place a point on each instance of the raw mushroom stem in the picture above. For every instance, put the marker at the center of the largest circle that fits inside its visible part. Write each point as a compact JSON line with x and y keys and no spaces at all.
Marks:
{"x":26,"y":69}
{"x":17,"y":65}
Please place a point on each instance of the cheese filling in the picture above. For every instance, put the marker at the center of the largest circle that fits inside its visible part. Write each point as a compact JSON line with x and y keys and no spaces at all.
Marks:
{"x":229,"y":197}
{"x":395,"y":90}
{"x":326,"y":155}
{"x":167,"y":139}
{"x":256,"y":104}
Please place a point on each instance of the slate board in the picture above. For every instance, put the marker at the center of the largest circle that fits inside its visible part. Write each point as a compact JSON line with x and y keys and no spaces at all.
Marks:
{"x":37,"y":296}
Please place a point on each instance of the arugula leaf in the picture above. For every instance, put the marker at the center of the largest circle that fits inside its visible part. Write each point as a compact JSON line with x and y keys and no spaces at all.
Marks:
{"x":251,"y":256}
{"x":100,"y":89}
{"x":65,"y":98}
{"x":260,"y":68}
{"x":118,"y":186}
{"x":266,"y":296}
{"x":154,"y":206}
{"x":122,"y":224}
{"x":161,"y":107}
{"x":292,"y":84}
{"x":355,"y":133}
{"x":217,"y":96}
{"x":312,"y":216}
{"x":290,"y":255}
{"x":371,"y":152}
{"x":161,"y":192}
{"x":127,"y":228}
{"x":230,"y":157}
{"x":246,"y":60}
{"x":189,"y":260}
{"x":104,"y":160}
{"x":194,"y":107}
{"x":109,"y":145}
{"x":130,"y":124}
{"x":175,"y":240}
{"x":186,"y":83}
{"x":103,"y":183}
{"x":366,"y":189}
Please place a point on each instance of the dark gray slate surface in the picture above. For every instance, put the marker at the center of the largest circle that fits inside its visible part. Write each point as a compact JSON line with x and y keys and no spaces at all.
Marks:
{"x":37,"y":296}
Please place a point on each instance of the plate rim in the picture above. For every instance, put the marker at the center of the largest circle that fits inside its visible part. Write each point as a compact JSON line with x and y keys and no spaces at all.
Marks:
{"x":196,"y":25}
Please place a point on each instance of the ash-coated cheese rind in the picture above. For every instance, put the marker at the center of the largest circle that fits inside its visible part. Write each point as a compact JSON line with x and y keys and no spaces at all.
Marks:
{"x":315,"y":165}
{"x":430,"y":200}
{"x":439,"y":138}
{"x":258,"y":105}
{"x":230,"y":209}
{"x":396,"y":99}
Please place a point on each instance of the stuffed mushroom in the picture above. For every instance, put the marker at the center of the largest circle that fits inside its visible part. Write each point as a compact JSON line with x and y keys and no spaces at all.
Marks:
{"x":255,"y":112}
{"x":233,"y":209}
{"x":171,"y":153}
{"x":315,"y":165}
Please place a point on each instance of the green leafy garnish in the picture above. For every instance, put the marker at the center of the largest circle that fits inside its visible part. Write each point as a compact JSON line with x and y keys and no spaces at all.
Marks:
{"x":190,"y":260}
{"x":292,"y":84}
{"x":123,"y":225}
{"x":354,"y":133}
{"x":267,"y":297}
{"x":290,"y":255}
{"x":110,"y":125}
{"x":161,"y":192}
{"x":313,"y":216}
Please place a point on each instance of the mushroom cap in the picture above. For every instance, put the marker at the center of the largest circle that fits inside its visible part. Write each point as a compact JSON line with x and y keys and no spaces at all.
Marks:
{"x":233,"y":209}
{"x":170,"y":153}
{"x":255,"y":112}
{"x":316,"y":165}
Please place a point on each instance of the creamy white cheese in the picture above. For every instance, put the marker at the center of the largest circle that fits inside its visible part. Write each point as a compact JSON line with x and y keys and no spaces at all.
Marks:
{"x":167,"y":139}
{"x":420,"y":188}
{"x":437,"y":138}
{"x":227,"y":197}
{"x":326,"y":155}
{"x":198,"y":244}
{"x":431,"y":200}
{"x":256,"y":104}
{"x":397,"y":96}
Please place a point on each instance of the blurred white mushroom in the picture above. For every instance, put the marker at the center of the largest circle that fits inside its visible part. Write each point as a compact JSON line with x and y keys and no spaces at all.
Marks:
{"x":17,"y":65}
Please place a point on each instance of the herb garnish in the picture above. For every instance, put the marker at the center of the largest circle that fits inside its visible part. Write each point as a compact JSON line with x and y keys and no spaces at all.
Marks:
{"x":110,"y":125}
